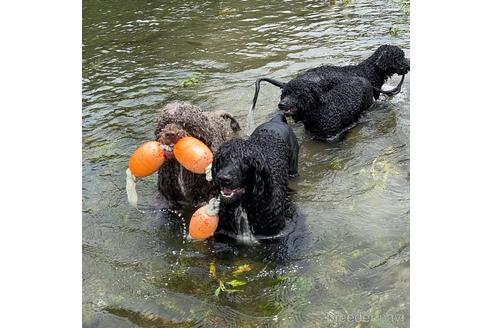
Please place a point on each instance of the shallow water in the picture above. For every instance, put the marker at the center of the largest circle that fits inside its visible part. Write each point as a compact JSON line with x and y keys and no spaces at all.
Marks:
{"x":349,"y":262}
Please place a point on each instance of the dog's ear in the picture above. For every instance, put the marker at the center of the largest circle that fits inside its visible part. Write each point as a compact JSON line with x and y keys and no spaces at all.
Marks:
{"x":261,"y":176}
{"x":218,"y":162}
{"x":234,"y":123}
{"x":157,"y":132}
{"x":382,"y":60}
{"x":312,"y":94}
{"x":162,"y":121}
{"x":258,"y":183}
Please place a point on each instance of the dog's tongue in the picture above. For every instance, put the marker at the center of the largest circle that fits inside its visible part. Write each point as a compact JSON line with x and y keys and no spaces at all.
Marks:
{"x":227,"y":191}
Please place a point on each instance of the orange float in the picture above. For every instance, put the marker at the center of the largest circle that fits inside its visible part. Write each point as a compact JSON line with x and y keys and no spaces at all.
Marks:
{"x":204,"y":221}
{"x":147,"y":159}
{"x":190,"y":152}
{"x":193,"y":154}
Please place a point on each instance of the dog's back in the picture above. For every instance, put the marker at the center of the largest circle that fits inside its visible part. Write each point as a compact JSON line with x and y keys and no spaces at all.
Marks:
{"x":278,"y":126}
{"x":377,"y":68}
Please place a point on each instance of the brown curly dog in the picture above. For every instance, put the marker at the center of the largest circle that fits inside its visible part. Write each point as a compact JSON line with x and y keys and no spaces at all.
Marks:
{"x":179,"y":119}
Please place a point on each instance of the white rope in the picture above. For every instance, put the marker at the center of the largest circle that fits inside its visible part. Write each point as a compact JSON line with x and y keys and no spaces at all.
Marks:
{"x":208,"y":172}
{"x":131,"y":188}
{"x":213,"y":206}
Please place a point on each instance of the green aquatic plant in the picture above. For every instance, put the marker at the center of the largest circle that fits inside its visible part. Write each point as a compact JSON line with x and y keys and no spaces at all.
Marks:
{"x":212,"y":271}
{"x":241,"y":269}
{"x":405,"y":6}
{"x":380,"y":171}
{"x":336,"y":164}
{"x":394,"y":31}
{"x":233,"y":283}
{"x":220,"y":288}
{"x":191,"y":81}
{"x":236,"y":283}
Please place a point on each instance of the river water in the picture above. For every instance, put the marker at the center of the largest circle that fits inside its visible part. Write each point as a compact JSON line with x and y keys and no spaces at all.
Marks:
{"x":350,"y":265}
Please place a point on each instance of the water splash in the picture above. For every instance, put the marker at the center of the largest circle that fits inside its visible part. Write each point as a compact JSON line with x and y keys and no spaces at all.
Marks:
{"x":250,"y":121}
{"x":244,"y":234}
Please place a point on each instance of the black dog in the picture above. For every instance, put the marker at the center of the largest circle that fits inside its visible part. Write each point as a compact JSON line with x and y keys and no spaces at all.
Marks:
{"x":327,"y":114}
{"x":329,"y":99}
{"x":252,"y":177}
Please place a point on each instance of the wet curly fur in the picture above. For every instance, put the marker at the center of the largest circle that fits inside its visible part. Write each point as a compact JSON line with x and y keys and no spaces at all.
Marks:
{"x":179,"y":119}
{"x":252,"y":177}
{"x":329,"y":99}
{"x":327,"y":114}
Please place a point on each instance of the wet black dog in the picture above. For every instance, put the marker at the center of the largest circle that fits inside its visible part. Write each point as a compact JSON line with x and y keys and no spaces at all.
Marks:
{"x":330,"y":99}
{"x":251,"y":177}
{"x":327,"y":114}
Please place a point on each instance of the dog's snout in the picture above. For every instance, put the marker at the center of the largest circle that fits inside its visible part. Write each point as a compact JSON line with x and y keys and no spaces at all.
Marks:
{"x":406,"y":64}
{"x":282,"y":105}
{"x":170,"y":135}
{"x":224,"y":178}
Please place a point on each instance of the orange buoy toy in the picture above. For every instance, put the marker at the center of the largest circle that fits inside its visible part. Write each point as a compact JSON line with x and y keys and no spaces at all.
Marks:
{"x":147,"y":159}
{"x":205,"y":220}
{"x":193,"y":154}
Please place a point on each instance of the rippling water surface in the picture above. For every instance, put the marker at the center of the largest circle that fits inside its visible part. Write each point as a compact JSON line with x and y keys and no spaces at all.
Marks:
{"x":350,"y":265}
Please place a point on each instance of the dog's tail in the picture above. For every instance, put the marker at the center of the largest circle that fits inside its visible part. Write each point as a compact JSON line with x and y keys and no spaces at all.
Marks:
{"x":257,"y":87}
{"x":391,"y":92}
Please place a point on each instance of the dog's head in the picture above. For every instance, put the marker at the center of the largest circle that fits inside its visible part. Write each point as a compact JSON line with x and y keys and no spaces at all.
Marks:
{"x":177,"y":120}
{"x":299,"y":96}
{"x":239,"y":172}
{"x":391,"y":60}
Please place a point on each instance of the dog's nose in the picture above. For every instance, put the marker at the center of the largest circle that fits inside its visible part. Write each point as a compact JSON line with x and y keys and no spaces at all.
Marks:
{"x":170,"y":135}
{"x":224,"y":178}
{"x":281,"y":106}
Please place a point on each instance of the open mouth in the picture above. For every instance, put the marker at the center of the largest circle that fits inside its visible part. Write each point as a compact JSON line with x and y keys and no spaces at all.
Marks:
{"x":403,"y":71}
{"x":289,"y":111}
{"x":229,"y":193}
{"x":404,"y":67}
{"x":168,"y":150}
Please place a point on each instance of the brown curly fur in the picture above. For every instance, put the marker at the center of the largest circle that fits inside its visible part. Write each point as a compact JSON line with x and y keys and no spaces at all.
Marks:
{"x":180,"y":119}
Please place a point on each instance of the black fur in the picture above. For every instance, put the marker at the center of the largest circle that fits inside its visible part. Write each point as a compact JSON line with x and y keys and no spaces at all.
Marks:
{"x":330,"y":99}
{"x":382,"y":64}
{"x":254,"y":173}
{"x":329,"y":109}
